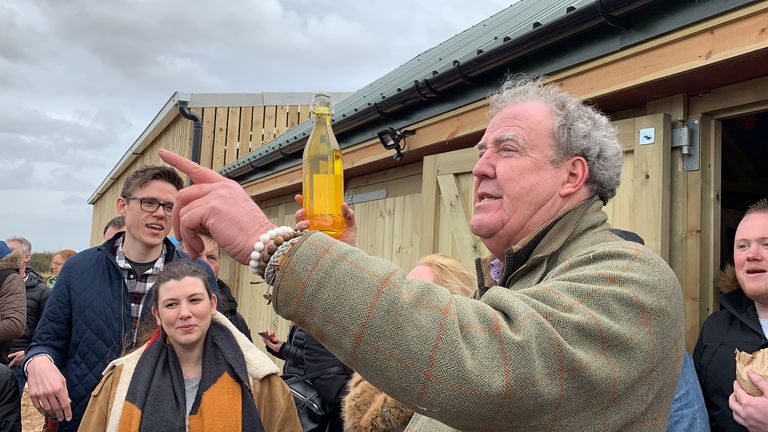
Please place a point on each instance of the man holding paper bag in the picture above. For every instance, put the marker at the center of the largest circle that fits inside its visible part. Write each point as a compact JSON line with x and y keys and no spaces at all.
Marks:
{"x":741,"y":324}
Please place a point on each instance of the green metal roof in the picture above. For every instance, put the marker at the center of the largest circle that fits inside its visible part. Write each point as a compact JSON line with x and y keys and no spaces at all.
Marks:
{"x":534,"y":37}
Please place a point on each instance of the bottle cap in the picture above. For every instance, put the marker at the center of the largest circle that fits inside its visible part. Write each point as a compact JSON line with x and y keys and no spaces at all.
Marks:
{"x":321,"y":100}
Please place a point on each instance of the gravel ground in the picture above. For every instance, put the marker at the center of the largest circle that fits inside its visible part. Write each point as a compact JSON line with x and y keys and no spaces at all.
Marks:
{"x":31,"y":420}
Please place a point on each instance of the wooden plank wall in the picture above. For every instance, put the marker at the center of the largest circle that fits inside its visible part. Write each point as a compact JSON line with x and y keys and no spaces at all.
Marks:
{"x":229,"y":133}
{"x":177,"y":137}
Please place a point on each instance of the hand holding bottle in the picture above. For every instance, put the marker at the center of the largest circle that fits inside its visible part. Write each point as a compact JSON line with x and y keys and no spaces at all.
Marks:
{"x":348,"y":234}
{"x":323,"y":171}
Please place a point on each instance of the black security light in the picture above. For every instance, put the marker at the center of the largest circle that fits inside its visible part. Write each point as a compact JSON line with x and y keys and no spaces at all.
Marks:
{"x":390,"y":139}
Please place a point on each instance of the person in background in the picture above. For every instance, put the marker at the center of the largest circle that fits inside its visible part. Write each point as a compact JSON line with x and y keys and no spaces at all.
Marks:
{"x":114,"y":226}
{"x":101,"y":305}
{"x":566,"y":316}
{"x":37,"y":293}
{"x":305,"y":355}
{"x":57,"y":262}
{"x":212,"y":256}
{"x":741,"y":323}
{"x":12,"y":324}
{"x":365,"y":408}
{"x":197,"y":372}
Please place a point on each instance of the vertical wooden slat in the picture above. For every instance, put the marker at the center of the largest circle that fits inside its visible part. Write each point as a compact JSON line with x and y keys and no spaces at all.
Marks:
{"x":401,"y":230}
{"x":220,"y":138}
{"x":257,"y":130}
{"x":281,"y":119}
{"x":711,"y":206}
{"x":206,"y":146}
{"x":430,"y":205}
{"x":304,"y":113}
{"x":233,"y":134}
{"x":293,"y":116}
{"x":270,"y":125}
{"x":246,"y":122}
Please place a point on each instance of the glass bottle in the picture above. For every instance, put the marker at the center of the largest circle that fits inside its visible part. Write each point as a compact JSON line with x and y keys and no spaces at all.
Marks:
{"x":323,"y":186}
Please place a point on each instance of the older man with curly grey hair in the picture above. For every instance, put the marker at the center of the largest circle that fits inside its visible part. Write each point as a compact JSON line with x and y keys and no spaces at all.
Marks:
{"x":571,"y":328}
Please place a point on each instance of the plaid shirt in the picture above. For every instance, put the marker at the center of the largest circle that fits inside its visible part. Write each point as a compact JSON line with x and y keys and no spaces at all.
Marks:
{"x":138,"y":285}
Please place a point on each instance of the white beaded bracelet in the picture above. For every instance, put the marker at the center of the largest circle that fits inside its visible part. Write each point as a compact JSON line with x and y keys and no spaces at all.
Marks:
{"x":261,"y":245}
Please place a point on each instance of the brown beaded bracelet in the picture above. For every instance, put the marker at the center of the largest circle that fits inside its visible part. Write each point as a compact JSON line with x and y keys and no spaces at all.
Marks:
{"x":267,"y":246}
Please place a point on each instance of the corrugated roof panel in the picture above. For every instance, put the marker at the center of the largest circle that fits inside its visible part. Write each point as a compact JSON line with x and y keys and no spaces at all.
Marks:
{"x":509,"y":24}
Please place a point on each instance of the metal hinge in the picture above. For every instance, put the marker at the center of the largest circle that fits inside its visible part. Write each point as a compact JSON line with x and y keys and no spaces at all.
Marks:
{"x":373,"y":195}
{"x":688,"y":138}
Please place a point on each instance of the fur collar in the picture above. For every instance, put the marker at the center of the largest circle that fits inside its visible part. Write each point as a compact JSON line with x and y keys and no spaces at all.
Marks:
{"x":12,"y":260}
{"x":727,"y":281}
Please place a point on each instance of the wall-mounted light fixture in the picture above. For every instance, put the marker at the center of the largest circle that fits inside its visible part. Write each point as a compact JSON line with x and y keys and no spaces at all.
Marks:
{"x":390,"y":139}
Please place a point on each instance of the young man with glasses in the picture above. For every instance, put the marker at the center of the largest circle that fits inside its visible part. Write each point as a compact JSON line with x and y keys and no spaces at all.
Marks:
{"x":100,"y":308}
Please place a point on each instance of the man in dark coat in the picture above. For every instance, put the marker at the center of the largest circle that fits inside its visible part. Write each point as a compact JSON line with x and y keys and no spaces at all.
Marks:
{"x":741,"y":323}
{"x":305,"y":355}
{"x":37,"y":293}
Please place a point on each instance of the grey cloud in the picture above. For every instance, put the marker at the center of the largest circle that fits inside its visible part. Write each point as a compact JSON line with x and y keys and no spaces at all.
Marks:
{"x":39,"y":135}
{"x":18,"y":36}
{"x":25,"y":174}
{"x":74,"y":200}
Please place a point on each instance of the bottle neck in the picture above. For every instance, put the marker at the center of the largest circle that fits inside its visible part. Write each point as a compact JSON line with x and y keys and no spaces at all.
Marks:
{"x":324,"y":118}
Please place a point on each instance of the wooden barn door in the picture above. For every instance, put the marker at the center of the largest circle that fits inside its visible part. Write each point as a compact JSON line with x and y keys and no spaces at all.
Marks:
{"x":641,"y":203}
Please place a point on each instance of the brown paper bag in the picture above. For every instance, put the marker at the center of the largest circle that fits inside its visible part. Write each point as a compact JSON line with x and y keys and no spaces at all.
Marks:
{"x":756,"y":362}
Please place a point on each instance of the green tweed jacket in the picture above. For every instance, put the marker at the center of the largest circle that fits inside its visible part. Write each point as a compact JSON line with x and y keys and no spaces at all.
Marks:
{"x":586,"y":334}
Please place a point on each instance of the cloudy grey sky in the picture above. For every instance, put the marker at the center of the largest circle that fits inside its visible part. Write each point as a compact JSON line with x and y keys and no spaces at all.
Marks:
{"x":81,"y":79}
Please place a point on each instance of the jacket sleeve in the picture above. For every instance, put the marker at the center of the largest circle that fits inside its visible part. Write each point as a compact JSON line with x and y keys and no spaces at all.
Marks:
{"x":700,"y":366}
{"x":44,"y":293}
{"x":96,"y":415}
{"x":276,"y":406}
{"x":13,"y":308}
{"x":54,"y":329}
{"x":606,"y":313}
{"x":290,"y":353}
{"x":330,"y":386}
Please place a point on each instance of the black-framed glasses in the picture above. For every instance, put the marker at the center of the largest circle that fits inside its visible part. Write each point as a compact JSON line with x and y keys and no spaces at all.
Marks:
{"x":150,"y":205}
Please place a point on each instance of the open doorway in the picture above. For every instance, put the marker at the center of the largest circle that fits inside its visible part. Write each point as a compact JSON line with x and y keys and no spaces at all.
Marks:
{"x":744,"y":177}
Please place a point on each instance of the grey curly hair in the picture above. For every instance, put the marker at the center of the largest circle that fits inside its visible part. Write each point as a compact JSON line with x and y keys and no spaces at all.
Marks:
{"x":580,"y":130}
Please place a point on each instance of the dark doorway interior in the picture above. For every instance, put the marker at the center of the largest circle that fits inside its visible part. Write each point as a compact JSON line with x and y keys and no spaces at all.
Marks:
{"x":744,"y":173}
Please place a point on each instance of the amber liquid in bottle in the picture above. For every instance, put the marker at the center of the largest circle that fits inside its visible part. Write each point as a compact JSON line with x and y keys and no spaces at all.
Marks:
{"x":323,"y":186}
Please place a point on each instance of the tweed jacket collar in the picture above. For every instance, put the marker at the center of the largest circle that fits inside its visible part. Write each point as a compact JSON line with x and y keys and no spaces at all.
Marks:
{"x":543,"y":242}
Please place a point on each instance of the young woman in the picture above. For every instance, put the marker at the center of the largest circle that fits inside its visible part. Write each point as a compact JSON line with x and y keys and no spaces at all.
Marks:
{"x":57,"y":262}
{"x":196,"y":373}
